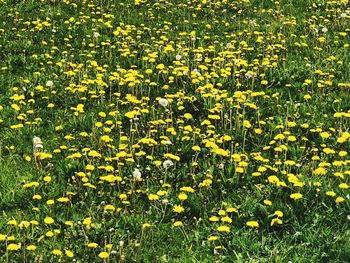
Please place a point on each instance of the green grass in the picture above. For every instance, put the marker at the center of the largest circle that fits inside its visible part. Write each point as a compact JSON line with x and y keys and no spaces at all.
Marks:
{"x":266,"y":84}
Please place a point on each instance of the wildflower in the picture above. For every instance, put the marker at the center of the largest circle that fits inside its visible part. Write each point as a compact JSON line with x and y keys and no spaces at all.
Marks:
{"x":50,"y":202}
{"x":163,"y":102}
{"x":31,"y":248}
{"x":37,"y":143}
{"x":178,"y":209}
{"x":296,"y":196}
{"x":69,"y":253}
{"x":96,"y":35}
{"x":223,"y":229}
{"x":36,"y":197}
{"x":136,"y":174}
{"x":48,"y":220}
{"x":267,"y":202}
{"x":178,"y":57}
{"x":196,"y":148}
{"x":278,"y":213}
{"x":162,"y":193}
{"x":275,"y":221}
{"x":167,"y":164}
{"x":178,"y":223}
{"x":325,"y":135}
{"x":319,"y":171}
{"x":92,"y":245}
{"x":212,"y":238}
{"x":88,"y":222}
{"x":63,"y":199}
{"x":69,"y":223}
{"x":188,"y":116}
{"x":343,"y":153}
{"x":12,"y":222}
{"x":47,"y":179}
{"x":246,"y":124}
{"x":146,"y":225}
{"x":187,"y":189}
{"x":182,"y":196}
{"x":13,"y":247}
{"x":213,"y":219}
{"x":221,"y":212}
{"x":153,"y":197}
{"x":331,"y":193}
{"x":104,"y":254}
{"x":226,"y":219}
{"x":49,"y":234}
{"x":49,"y":83}
{"x":249,"y":74}
{"x":57,"y":252}
{"x":343,"y":186}
{"x":231,"y":210}
{"x":253,"y":224}
{"x":339,"y":199}
{"x":109,"y":208}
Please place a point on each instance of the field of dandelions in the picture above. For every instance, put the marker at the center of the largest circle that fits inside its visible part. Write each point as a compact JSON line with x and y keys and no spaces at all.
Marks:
{"x":174,"y":131}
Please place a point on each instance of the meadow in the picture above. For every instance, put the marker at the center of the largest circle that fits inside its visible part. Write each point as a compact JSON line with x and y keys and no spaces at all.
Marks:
{"x":174,"y":131}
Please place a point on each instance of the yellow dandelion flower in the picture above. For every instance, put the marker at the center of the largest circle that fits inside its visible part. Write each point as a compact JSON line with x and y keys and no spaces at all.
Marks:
{"x":92,"y":245}
{"x":296,"y":196}
{"x":188,"y":116}
{"x":13,"y":247}
{"x":104,"y":254}
{"x":178,"y":224}
{"x":339,"y":200}
{"x":49,"y":220}
{"x":69,"y":253}
{"x":267,"y":202}
{"x":214,"y":219}
{"x":223,"y":229}
{"x":182,"y":196}
{"x":278,"y":213}
{"x":253,"y":224}
{"x":226,"y":219}
{"x":212,"y":238}
{"x":31,"y":248}
{"x":331,"y":193}
{"x":146,"y":225}
{"x":57,"y":252}
{"x":178,"y":209}
{"x":343,"y":186}
{"x":275,"y":221}
{"x":153,"y":197}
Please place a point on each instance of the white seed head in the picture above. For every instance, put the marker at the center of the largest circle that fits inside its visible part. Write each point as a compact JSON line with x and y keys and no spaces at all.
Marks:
{"x":136,"y":174}
{"x":167,"y":164}
{"x":96,"y":35}
{"x":37,"y":143}
{"x":163,"y":102}
{"x":49,"y":83}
